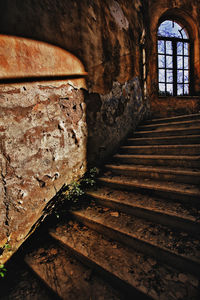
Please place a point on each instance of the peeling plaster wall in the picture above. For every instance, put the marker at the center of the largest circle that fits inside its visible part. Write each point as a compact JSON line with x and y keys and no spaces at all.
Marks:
{"x":105,"y":36}
{"x":44,"y":125}
{"x":111,"y":117}
{"x":43,"y":145}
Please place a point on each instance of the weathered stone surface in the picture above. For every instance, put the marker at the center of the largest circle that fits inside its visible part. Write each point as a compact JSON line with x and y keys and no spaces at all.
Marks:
{"x":67,"y":277}
{"x":110,"y":117}
{"x":43,"y":126}
{"x":43,"y":146}
{"x":103,"y":35}
{"x":20,"y":57}
{"x":170,"y":106}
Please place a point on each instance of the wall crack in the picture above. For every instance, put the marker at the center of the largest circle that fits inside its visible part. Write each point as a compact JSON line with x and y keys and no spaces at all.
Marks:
{"x":6,"y":204}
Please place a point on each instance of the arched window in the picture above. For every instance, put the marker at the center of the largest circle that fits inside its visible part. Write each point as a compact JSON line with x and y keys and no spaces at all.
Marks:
{"x":173,"y":59}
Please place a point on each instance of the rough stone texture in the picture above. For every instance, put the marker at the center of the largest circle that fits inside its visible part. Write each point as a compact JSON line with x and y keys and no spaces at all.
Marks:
{"x":43,"y":125}
{"x":104,"y":35}
{"x":170,"y":106}
{"x":67,"y":277}
{"x":110,"y":118}
{"x":43,"y":146}
{"x":20,"y":284}
{"x":20,"y":57}
{"x":146,"y":274}
{"x":187,"y":12}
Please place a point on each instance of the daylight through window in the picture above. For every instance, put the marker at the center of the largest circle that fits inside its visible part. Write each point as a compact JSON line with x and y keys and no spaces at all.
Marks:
{"x":173,"y":59}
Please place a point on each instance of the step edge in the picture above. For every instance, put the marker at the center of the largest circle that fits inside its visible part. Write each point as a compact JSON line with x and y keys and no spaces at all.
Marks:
{"x":91,"y":261}
{"x":146,"y":209}
{"x":168,"y":130}
{"x":161,"y":169}
{"x":173,"y":255}
{"x":157,"y":156}
{"x":149,"y":186}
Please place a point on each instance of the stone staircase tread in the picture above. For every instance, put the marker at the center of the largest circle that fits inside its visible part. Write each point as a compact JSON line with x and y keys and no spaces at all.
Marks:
{"x":164,"y":137}
{"x":167,"y":125}
{"x":147,"y":203}
{"x":164,"y":140}
{"x":192,"y":149}
{"x":186,"y":189}
{"x":154,"y":239}
{"x":138,"y":237}
{"x":123,"y":264}
{"x":183,"y":117}
{"x":155,"y":156}
{"x":66,"y":276}
{"x":183,"y":161}
{"x":160,"y":146}
{"x":167,"y":130}
{"x":159,"y":169}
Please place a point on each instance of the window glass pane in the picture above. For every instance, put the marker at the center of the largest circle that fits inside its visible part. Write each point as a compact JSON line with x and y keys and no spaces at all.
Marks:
{"x":161,"y":61}
{"x":184,"y":34}
{"x":186,"y":62}
{"x":170,"y":28}
{"x":169,"y":76}
{"x":161,"y":75}
{"x":179,"y":89}
{"x":173,"y":59}
{"x":169,"y":89}
{"x":186,"y":76}
{"x":161,"y":46}
{"x":186,"y":89}
{"x":180,"y":48}
{"x":186,"y":49}
{"x":179,"y":62}
{"x":168,"y":47}
{"x":179,"y":76}
{"x":169,"y":62}
{"x":161,"y":88}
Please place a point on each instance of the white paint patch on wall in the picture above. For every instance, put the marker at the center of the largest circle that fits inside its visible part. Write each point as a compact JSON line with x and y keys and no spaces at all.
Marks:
{"x":118,"y":15}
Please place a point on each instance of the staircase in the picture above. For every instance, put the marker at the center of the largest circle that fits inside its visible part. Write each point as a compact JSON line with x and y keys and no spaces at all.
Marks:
{"x":139,"y":236}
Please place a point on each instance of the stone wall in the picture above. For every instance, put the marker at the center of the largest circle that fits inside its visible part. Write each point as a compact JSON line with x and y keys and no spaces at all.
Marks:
{"x":44,"y":125}
{"x":111,"y":117}
{"x":43,"y":145}
{"x":43,"y":133}
{"x":171,"y":106}
{"x":106,"y":37}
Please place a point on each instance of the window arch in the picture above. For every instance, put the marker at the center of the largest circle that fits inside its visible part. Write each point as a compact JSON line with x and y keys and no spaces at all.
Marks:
{"x":173,"y":46}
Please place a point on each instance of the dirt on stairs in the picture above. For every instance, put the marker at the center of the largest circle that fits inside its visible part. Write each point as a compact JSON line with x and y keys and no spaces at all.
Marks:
{"x":139,"y":236}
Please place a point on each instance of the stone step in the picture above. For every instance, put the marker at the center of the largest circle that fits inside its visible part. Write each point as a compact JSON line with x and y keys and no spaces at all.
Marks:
{"x":175,"y":248}
{"x":20,"y":283}
{"x":185,"y":193}
{"x":161,"y":160}
{"x":157,"y":172}
{"x":173,"y":119}
{"x":175,"y":125}
{"x":168,"y":132}
{"x":162,"y":149}
{"x":168,"y":140}
{"x":67,"y":277}
{"x":170,"y":213}
{"x":126,"y":268}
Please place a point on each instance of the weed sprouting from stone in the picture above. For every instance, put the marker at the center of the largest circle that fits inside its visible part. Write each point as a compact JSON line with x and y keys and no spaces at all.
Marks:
{"x":2,"y":270}
{"x":72,"y":193}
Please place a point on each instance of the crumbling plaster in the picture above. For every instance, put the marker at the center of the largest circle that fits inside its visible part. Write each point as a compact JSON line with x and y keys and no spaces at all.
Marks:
{"x":44,"y":125}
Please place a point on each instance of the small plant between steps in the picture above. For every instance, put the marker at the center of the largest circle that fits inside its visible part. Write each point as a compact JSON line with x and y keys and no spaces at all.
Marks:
{"x":72,"y":193}
{"x":2,"y":270}
{"x":67,"y":197}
